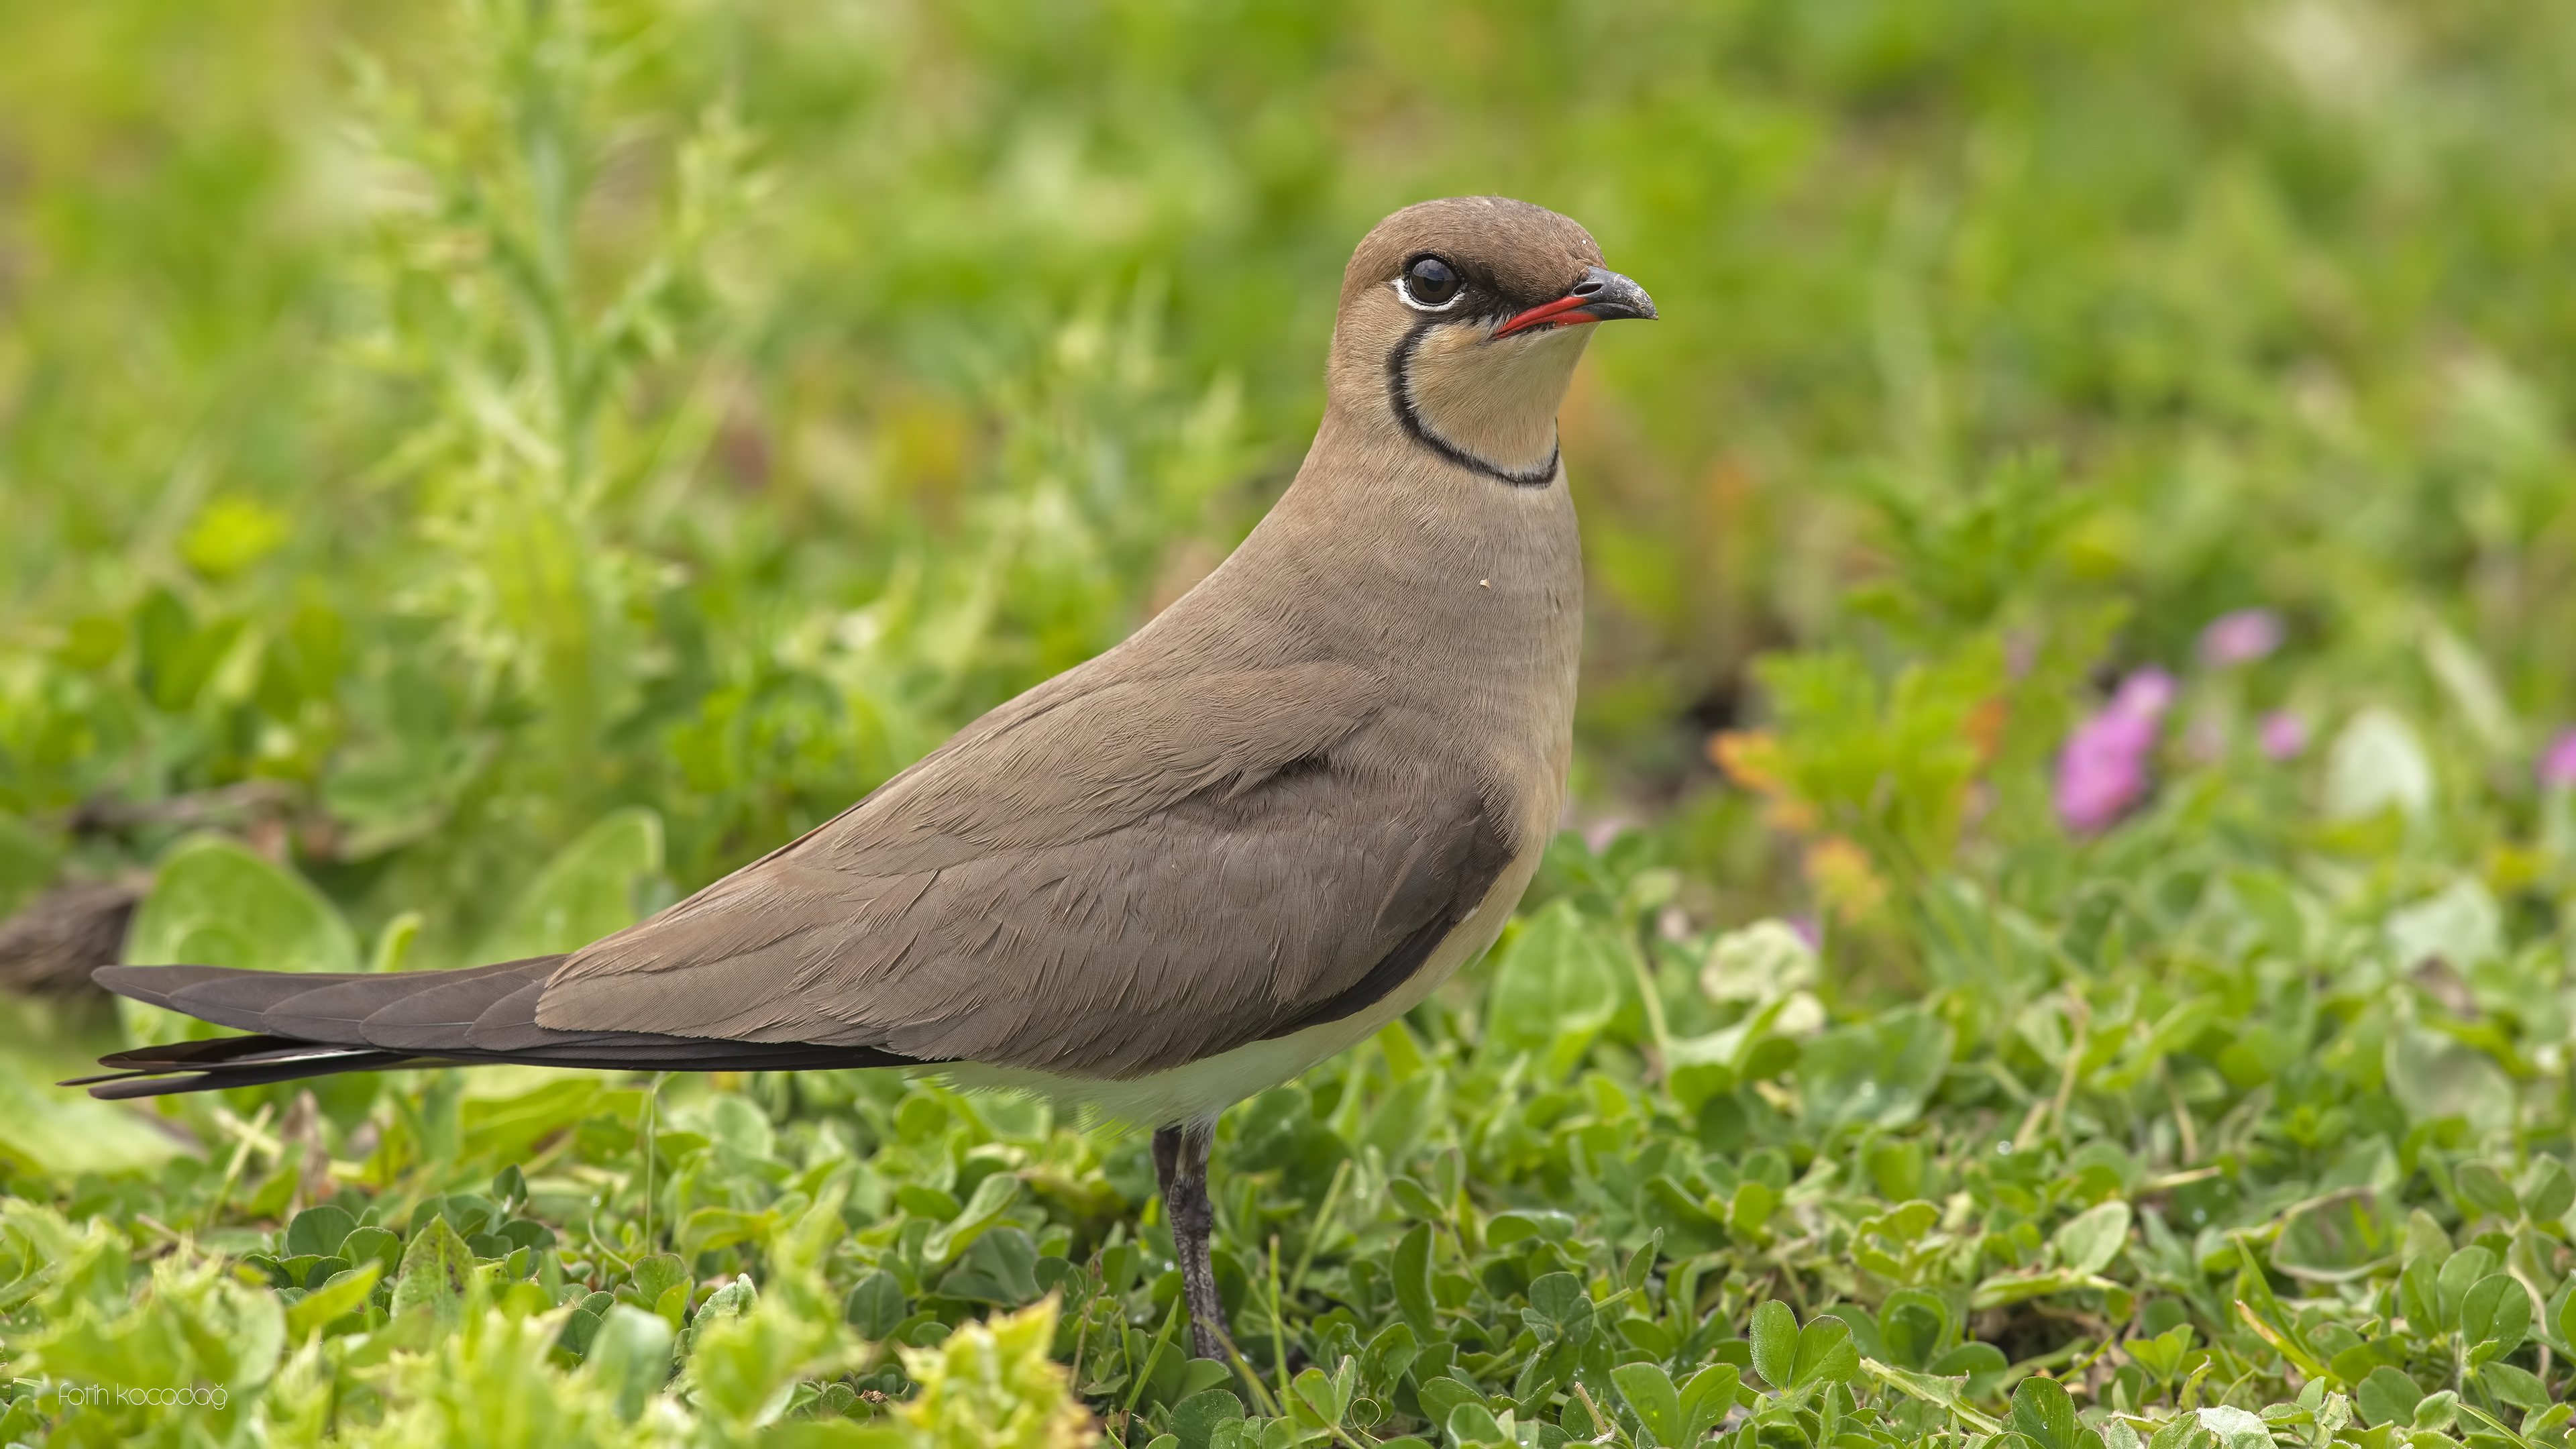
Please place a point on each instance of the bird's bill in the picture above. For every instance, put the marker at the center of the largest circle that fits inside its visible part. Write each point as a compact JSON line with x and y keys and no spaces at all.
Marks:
{"x":1602,"y":296}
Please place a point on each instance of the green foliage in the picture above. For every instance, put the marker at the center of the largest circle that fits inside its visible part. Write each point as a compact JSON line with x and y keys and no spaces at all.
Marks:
{"x":460,"y":499}
{"x":594,"y":888}
{"x":2159,"y":1196}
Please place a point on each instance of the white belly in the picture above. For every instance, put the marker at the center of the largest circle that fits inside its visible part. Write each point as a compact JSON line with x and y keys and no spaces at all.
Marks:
{"x":1203,"y":1088}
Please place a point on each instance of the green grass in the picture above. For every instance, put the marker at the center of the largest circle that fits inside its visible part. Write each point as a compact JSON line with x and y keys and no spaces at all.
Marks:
{"x":474,"y":473}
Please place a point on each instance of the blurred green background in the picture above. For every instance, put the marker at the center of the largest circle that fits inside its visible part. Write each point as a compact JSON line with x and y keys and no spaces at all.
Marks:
{"x":473,"y":471}
{"x":423,"y":436}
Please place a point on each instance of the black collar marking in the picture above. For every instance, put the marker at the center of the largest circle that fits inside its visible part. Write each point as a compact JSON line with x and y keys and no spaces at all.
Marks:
{"x":1398,"y":363}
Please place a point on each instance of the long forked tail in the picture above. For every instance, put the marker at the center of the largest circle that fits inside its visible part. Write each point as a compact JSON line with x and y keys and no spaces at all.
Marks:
{"x":315,"y":1024}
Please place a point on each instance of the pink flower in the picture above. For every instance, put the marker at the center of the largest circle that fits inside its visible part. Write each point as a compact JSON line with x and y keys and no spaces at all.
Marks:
{"x":2240,"y":638}
{"x":2283,"y":735}
{"x":2145,"y":694}
{"x":2102,"y":773}
{"x":2558,"y":762}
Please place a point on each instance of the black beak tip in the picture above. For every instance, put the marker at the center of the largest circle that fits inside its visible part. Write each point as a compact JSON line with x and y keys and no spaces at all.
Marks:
{"x":1614,"y":298}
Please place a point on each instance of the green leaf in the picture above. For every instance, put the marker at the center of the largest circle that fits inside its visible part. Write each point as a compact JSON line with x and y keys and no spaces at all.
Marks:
{"x":1442,"y":1394}
{"x":342,"y":1293}
{"x":730,"y":1301}
{"x":1705,"y":1399}
{"x":2087,"y":1242}
{"x":175,"y":658}
{"x":1558,"y":1301}
{"x":1403,"y":1117}
{"x":744,"y":1353}
{"x":1879,"y":1072}
{"x":1911,"y":1324}
{"x":1559,"y":982}
{"x":2460,"y":1272}
{"x":393,"y":945}
{"x":2548,"y":1189}
{"x":1751,"y":1208}
{"x":1973,"y":1361}
{"x":2003,"y":1288}
{"x":319,"y":1231}
{"x":1826,"y":1354}
{"x":1932,"y":1389}
{"x":2043,"y":1413}
{"x":1412,"y":1200}
{"x":1896,"y":1169}
{"x":1317,"y":1390}
{"x":45,"y":1130}
{"x":232,"y":533}
{"x":1001,"y":1269}
{"x":1472,"y":1424}
{"x":1512,"y":1226}
{"x":1650,"y":1393}
{"x":1195,"y":1418}
{"x":2419,"y":1294}
{"x":656,"y":1274}
{"x":2162,"y":1355}
{"x":373,"y":1243}
{"x":2482,"y":1187}
{"x":2235,"y":1428}
{"x":2516,"y":1386}
{"x":1410,"y":1267}
{"x":2495,"y":1316}
{"x":436,"y":1266}
{"x":672,"y":1307}
{"x":2353,"y":1363}
{"x":993,"y":1196}
{"x":2182,"y":1431}
{"x":1390,"y":1355}
{"x":216,"y":902}
{"x":2386,"y":1396}
{"x":590,"y":889}
{"x":2434,"y":1076}
{"x":875,"y":1305}
{"x":1774,"y":1331}
{"x":2339,"y":1237}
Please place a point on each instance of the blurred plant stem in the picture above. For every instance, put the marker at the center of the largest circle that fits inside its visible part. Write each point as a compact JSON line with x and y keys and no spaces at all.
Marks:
{"x":534,"y":346}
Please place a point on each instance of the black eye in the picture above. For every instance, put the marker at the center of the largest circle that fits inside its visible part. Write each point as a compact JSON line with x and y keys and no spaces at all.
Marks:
{"x":1430,"y":282}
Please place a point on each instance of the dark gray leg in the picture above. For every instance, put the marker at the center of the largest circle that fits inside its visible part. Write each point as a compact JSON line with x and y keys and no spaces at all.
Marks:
{"x":1181,"y":1161}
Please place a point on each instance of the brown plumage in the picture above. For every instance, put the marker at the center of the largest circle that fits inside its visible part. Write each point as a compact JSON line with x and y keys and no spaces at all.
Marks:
{"x":1276,"y":815}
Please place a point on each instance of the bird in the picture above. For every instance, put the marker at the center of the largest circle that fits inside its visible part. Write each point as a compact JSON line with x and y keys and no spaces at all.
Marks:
{"x":1269,"y":821}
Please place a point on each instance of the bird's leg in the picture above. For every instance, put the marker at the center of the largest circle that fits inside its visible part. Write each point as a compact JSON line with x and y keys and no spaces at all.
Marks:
{"x":1181,"y":1161}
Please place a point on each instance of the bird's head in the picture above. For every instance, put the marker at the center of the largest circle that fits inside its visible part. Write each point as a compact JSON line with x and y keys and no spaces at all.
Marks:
{"x":1461,"y":321}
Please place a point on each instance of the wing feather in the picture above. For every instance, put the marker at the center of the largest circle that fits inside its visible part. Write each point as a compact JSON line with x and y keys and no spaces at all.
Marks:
{"x":1121,"y":881}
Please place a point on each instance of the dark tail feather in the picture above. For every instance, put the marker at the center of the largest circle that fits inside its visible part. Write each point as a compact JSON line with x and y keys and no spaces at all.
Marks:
{"x":315,"y":1024}
{"x":231,"y":1061}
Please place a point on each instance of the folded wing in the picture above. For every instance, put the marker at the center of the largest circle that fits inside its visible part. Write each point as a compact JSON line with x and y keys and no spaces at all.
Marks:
{"x":1104,"y":882}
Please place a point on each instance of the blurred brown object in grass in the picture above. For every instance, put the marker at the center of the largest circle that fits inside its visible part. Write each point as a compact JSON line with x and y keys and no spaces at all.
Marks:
{"x":49,"y":948}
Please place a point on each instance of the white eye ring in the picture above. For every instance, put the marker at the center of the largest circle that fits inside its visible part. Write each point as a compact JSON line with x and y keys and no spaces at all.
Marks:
{"x":1404,"y":289}
{"x":1418,"y":305}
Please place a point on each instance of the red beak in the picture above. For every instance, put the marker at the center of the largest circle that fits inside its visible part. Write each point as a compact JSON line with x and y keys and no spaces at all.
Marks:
{"x":1602,"y":296}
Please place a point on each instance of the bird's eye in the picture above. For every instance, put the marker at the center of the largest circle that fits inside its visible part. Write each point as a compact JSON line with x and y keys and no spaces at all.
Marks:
{"x":1430,"y":282}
